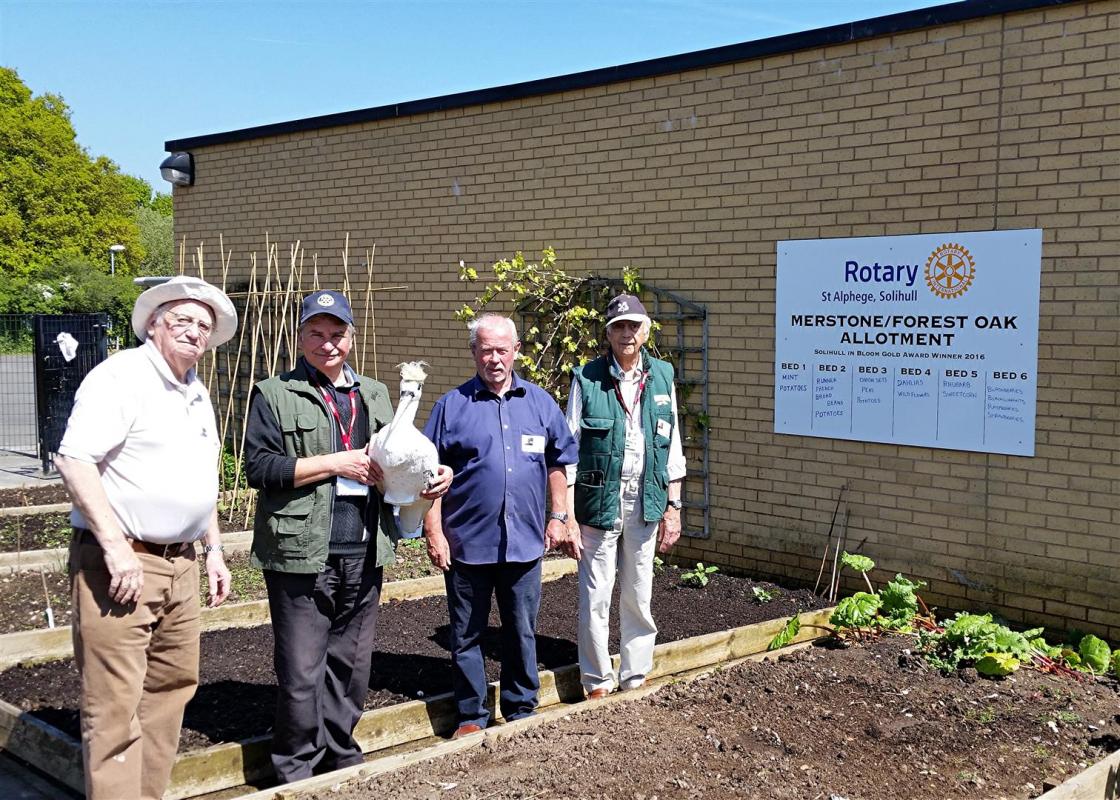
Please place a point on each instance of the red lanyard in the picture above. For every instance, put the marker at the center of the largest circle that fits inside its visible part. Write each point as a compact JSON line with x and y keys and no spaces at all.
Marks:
{"x":618,"y":394}
{"x":344,"y":434}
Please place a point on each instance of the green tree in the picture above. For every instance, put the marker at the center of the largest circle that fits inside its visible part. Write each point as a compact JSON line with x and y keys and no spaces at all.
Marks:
{"x":57,"y":204}
{"x":157,"y":237}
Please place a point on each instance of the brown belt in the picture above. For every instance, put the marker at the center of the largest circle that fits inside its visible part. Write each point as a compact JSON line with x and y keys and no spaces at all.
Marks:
{"x":173,"y":550}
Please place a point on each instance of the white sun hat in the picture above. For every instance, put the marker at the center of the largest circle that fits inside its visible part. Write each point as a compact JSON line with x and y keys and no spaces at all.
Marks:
{"x":186,"y":287}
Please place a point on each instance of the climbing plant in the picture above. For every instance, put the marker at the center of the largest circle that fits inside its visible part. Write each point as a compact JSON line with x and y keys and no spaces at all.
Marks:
{"x":566,"y":322}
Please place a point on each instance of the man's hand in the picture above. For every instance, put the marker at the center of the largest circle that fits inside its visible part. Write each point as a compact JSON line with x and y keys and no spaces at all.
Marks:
{"x":125,"y":572}
{"x":218,"y":578}
{"x":438,"y":486}
{"x":572,"y":546}
{"x":439,"y":551}
{"x":555,"y":534}
{"x":668,"y":530}
{"x":354,"y":464}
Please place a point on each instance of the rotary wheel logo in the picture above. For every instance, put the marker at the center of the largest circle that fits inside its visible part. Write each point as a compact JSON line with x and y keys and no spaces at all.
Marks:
{"x":950,"y":270}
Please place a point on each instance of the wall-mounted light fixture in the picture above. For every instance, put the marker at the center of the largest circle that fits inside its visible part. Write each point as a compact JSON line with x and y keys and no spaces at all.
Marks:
{"x":178,"y":169}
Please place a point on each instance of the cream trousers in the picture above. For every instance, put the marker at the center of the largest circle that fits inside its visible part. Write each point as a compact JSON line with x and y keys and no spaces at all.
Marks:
{"x":628,"y":550}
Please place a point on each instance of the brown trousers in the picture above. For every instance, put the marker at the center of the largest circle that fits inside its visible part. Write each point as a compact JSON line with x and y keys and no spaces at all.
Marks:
{"x":138,"y":666}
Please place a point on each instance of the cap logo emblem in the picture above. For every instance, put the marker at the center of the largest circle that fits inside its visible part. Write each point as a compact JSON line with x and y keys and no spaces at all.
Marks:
{"x":325,"y":300}
{"x":622,"y":307}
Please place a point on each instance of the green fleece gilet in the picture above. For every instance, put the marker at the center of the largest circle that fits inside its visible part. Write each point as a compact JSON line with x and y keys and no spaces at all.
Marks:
{"x":292,"y":528}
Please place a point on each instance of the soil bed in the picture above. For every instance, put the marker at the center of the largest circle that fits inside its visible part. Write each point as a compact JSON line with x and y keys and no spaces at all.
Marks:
{"x":863,"y":723}
{"x":46,"y":531}
{"x":33,"y":496}
{"x":237,"y":697}
{"x":23,"y":608}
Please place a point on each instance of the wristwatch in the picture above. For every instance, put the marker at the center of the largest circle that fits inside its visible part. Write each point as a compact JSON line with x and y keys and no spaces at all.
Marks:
{"x":677,"y":504}
{"x":558,"y":516}
{"x":210,"y":548}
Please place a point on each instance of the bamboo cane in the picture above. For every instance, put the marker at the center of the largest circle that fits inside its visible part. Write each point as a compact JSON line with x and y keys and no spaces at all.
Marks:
{"x":372,"y":323}
{"x":252,"y":379}
{"x":282,"y":329}
{"x":828,"y":542}
{"x":840,"y":539}
{"x":235,"y":374}
{"x":346,"y":267}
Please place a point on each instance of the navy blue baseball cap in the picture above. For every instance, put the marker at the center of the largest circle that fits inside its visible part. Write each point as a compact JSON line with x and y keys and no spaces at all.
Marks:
{"x":326,"y":302}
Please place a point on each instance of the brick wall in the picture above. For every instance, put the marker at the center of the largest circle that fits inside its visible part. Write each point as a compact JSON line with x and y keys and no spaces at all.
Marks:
{"x":1010,"y":121}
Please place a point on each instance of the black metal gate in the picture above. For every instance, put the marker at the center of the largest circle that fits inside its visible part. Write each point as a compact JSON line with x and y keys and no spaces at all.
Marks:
{"x":67,"y":347}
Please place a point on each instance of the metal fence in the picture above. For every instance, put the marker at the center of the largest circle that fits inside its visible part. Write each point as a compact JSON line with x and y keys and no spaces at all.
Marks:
{"x":18,"y":433}
{"x":67,"y":347}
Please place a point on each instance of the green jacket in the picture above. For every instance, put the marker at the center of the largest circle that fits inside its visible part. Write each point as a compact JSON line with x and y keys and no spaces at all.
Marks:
{"x":292,"y":528}
{"x":602,"y":442}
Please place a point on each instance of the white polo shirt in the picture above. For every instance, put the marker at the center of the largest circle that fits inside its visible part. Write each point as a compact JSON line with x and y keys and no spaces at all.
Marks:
{"x":154,"y":441}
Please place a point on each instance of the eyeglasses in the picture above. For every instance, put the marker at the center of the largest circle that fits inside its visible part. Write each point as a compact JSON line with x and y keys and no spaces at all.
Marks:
{"x":180,"y":323}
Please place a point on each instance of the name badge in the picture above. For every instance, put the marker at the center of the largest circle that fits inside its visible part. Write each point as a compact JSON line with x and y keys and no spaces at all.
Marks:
{"x":662,"y":399}
{"x":348,"y":487}
{"x":663,"y":428}
{"x":531,"y":443}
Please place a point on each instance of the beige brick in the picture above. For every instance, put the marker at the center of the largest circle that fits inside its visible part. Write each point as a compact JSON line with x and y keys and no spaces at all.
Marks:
{"x":693,"y":177}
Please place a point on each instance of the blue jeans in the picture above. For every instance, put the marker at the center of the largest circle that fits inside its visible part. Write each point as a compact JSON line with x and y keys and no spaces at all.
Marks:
{"x":517,"y":587}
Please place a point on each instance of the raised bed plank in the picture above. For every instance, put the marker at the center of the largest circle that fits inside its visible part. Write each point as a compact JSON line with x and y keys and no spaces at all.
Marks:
{"x":228,"y":765}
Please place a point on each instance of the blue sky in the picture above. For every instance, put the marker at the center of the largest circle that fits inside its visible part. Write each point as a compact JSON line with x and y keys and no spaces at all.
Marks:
{"x":136,"y":72}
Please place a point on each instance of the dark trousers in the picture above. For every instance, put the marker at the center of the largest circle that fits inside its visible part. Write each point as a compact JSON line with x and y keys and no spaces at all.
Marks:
{"x":517,"y":587}
{"x":324,"y":627}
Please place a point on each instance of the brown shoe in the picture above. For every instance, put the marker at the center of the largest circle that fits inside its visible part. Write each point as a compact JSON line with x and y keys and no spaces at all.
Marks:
{"x":466,"y":730}
{"x":598,"y":694}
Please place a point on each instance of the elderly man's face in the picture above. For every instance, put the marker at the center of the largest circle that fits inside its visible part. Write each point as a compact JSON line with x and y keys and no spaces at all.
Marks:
{"x":180,"y":332}
{"x":494,"y":352}
{"x":626,"y":338}
{"x":325,"y":342}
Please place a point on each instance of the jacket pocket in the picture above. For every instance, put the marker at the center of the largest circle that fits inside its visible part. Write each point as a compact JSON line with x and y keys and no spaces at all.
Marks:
{"x":595,"y":435}
{"x":291,"y":523}
{"x":300,"y":431}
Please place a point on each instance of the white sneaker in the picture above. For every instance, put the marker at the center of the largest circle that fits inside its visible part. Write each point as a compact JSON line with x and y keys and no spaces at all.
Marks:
{"x":632,"y":683}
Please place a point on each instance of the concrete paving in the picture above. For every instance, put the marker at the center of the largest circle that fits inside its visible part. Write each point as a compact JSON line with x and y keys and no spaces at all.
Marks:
{"x":18,"y":471}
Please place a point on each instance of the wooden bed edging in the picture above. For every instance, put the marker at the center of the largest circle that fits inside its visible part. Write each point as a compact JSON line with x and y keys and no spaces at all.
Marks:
{"x":1099,"y":782}
{"x":227,"y":765}
{"x":55,"y":559}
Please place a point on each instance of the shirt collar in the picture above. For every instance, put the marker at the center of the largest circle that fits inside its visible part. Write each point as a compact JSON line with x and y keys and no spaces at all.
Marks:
{"x":516,"y":387}
{"x":318,"y":377}
{"x":618,"y":374}
{"x":164,"y":369}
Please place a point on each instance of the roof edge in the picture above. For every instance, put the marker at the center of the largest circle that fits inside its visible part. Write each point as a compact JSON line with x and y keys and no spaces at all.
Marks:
{"x":716,"y":56}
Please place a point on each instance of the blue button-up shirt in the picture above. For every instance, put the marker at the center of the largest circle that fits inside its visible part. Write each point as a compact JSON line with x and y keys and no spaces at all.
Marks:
{"x":501,"y":449}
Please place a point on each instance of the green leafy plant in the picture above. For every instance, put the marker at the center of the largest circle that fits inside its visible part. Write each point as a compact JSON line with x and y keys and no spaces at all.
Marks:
{"x":997,"y":665}
{"x":861,"y":564}
{"x":787,"y":633}
{"x":857,"y":611}
{"x":699,"y":575}
{"x":1095,"y":654}
{"x":658,"y":565}
{"x":763,"y":596}
{"x":968,"y":638}
{"x":564,"y":322}
{"x":899,"y":603}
